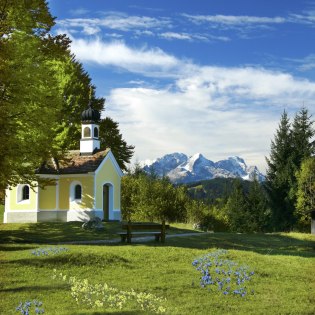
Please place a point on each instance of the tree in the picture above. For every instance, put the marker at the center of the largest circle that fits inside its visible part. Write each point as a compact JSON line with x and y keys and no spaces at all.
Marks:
{"x":302,"y":135}
{"x":43,"y":91}
{"x":258,"y":208}
{"x":237,"y":210}
{"x":280,"y":176}
{"x":146,"y":198}
{"x":111,"y":137}
{"x":29,"y":100}
{"x":305,"y":193}
{"x":303,"y":148}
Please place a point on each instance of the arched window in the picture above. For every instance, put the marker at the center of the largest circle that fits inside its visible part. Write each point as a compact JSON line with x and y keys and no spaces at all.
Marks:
{"x":77,"y":192}
{"x":95,"y":132}
{"x":87,"y":132}
{"x":25,"y":193}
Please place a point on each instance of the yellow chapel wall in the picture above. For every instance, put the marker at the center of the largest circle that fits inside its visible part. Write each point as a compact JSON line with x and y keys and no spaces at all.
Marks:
{"x":107,"y":174}
{"x":15,"y":204}
{"x":47,"y":197}
{"x":67,"y":182}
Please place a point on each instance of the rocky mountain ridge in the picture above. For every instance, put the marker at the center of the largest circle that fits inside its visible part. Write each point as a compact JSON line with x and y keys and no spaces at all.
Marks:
{"x":183,"y":169}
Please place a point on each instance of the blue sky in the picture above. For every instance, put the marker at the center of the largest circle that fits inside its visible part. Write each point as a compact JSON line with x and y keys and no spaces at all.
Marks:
{"x":196,"y":76}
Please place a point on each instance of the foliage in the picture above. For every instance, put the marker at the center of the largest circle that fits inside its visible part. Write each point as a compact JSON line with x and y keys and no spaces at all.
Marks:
{"x":110,"y":137}
{"x":43,"y":91}
{"x":26,"y":307}
{"x":206,"y":217}
{"x":146,"y":198}
{"x":280,"y":176}
{"x":247,"y":212}
{"x":102,"y":295}
{"x":305,"y":193}
{"x":291,"y":145}
{"x":214,"y":190}
{"x":29,"y":101}
{"x":224,"y":274}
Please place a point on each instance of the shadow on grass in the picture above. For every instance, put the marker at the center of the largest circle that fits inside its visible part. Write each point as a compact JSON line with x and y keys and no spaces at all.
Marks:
{"x":113,"y":312}
{"x":54,"y":232}
{"x":266,"y":244}
{"x":33,"y":288}
{"x":73,"y":259}
{"x":13,"y":248}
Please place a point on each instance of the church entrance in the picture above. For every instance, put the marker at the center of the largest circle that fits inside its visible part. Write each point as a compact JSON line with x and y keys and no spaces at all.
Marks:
{"x":106,"y":201}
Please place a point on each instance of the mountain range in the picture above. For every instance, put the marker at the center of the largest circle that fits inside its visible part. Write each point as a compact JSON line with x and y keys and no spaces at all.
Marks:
{"x":182,"y":169}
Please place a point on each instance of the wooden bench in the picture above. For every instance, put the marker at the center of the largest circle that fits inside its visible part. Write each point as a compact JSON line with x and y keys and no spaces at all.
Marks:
{"x":137,"y":228}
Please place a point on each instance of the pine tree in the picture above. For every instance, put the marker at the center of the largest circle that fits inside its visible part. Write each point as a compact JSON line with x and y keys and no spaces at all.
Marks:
{"x":237,"y":210}
{"x":280,"y":176}
{"x":111,"y":137}
{"x":303,"y":148}
{"x":302,"y":134}
{"x":259,"y":211}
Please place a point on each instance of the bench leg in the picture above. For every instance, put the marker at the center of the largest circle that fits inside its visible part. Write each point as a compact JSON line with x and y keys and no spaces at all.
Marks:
{"x":157,"y":238}
{"x":163,"y":238}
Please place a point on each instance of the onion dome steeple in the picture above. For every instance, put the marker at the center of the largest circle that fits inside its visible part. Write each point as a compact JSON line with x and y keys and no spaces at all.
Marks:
{"x":90,"y":114}
{"x":90,"y":142}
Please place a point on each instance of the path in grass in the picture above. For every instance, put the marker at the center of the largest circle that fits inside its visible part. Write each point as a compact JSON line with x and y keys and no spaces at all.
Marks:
{"x":134,"y":239}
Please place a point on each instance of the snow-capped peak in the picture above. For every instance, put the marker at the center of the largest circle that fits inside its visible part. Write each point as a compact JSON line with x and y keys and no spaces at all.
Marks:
{"x":181,"y":169}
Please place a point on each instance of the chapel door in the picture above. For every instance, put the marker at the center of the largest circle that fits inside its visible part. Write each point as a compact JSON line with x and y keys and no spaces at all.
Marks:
{"x":106,"y":202}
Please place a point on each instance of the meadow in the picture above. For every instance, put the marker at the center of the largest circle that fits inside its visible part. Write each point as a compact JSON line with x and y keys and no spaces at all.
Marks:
{"x":283,"y":264}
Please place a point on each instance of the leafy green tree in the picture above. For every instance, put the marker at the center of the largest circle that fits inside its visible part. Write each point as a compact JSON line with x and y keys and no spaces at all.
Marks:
{"x":29,"y":99}
{"x":280,"y":176}
{"x":305,"y":193}
{"x":111,"y":137}
{"x":43,"y":91}
{"x":146,"y":198}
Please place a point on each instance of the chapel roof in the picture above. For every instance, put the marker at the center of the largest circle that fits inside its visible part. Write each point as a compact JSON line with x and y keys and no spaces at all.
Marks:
{"x":73,"y":163}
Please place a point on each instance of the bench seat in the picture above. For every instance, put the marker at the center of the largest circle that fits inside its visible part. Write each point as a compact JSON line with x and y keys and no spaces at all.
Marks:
{"x":138,"y":228}
{"x":123,"y":235}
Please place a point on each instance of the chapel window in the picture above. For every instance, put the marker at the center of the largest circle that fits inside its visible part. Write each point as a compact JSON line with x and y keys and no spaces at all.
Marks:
{"x":25,"y":192}
{"x":95,"y":132}
{"x":77,"y":192}
{"x":87,"y":132}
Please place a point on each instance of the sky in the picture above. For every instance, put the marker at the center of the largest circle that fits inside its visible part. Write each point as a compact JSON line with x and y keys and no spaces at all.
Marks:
{"x":208,"y":76}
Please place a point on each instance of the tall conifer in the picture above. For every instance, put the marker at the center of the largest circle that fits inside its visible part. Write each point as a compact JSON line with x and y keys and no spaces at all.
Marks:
{"x":280,"y":175}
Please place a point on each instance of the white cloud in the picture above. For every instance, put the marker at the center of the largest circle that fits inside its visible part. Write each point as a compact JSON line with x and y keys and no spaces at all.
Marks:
{"x":116,"y":21}
{"x":234,"y":19}
{"x":79,"y":11}
{"x":142,"y":60}
{"x":218,"y":111}
{"x":160,"y":122}
{"x":173,"y":35}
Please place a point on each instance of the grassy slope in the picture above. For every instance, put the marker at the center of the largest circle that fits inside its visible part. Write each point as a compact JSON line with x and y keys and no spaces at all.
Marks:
{"x":54,"y":232}
{"x":284,"y":282}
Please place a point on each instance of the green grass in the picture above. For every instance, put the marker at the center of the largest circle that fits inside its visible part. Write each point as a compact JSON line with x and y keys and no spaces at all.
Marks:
{"x":284,"y":280}
{"x":56,"y":232}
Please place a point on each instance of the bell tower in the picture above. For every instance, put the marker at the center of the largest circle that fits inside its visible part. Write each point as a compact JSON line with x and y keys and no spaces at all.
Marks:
{"x":89,"y":142}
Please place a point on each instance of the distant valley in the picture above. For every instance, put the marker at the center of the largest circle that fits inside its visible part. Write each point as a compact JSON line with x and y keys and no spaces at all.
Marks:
{"x":182,"y":169}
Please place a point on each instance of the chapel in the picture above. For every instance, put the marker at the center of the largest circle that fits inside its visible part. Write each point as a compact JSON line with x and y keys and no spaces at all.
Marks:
{"x":82,"y":185}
